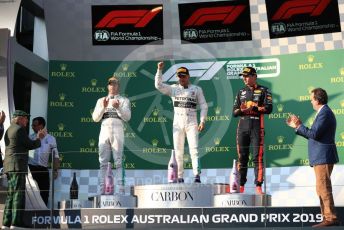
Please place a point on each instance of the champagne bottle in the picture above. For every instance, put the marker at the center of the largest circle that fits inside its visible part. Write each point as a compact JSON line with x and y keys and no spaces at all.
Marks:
{"x":74,"y":188}
{"x":172,"y":169}
{"x":109,"y":185}
{"x":233,"y":179}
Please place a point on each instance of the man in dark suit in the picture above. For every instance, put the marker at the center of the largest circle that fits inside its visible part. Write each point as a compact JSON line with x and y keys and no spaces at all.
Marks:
{"x":17,"y":145}
{"x":322,"y":152}
{"x":2,"y":120}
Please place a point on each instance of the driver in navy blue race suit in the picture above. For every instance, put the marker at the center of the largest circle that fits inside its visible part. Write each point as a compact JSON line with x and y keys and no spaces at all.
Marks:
{"x":251,"y":103}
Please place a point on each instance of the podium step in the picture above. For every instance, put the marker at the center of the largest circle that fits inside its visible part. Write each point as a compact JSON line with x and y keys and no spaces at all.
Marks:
{"x":174,"y":195}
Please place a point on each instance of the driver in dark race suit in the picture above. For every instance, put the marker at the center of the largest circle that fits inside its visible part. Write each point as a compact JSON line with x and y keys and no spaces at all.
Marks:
{"x":185,"y":97}
{"x":251,"y":103}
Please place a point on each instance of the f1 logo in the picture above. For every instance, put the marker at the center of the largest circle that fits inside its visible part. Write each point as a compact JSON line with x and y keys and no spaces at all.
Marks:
{"x":226,"y":14}
{"x":295,"y":7}
{"x":202,"y":70}
{"x":140,"y":18}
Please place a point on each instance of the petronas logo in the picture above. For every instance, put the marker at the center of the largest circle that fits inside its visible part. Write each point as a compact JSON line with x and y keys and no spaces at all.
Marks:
{"x":155,"y":112}
{"x":217,"y":141}
{"x":217,"y":110}
{"x":62,"y":96}
{"x":280,"y":139}
{"x":92,"y":142}
{"x":63,"y":67}
{"x":310,"y":88}
{"x":341,"y":71}
{"x":94,"y":82}
{"x":125,"y":67}
{"x":280,"y":108}
{"x":310,"y":58}
{"x":60,"y":127}
{"x":155,"y":142}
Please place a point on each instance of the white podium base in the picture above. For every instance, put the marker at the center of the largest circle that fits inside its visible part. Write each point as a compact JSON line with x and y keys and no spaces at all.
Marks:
{"x":113,"y":201}
{"x":241,"y":200}
{"x":174,"y":195}
{"x":74,"y":204}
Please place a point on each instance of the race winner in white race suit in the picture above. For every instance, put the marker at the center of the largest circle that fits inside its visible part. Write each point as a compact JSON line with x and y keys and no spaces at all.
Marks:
{"x":185,"y":97}
{"x":112,"y":111}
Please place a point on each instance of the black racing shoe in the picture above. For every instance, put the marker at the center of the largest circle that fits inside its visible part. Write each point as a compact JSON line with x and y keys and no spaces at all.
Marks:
{"x":180,"y":180}
{"x":197,"y":179}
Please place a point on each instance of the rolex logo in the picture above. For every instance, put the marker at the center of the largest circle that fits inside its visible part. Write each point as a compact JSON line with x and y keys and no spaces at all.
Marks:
{"x":92,"y":142}
{"x":217,"y":110}
{"x":310,"y":58}
{"x":60,"y":127}
{"x":342,"y":135}
{"x":217,"y":141}
{"x":63,"y":67}
{"x":124,"y":127}
{"x":342,"y":103}
{"x":310,"y":121}
{"x":280,"y":108}
{"x":280,"y":139}
{"x":310,"y":88}
{"x":91,"y":111}
{"x":341,"y":71}
{"x":125,"y":67}
{"x":155,"y":112}
{"x":94,"y":82}
{"x":155,"y":142}
{"x":62,"y":96}
{"x":61,"y":157}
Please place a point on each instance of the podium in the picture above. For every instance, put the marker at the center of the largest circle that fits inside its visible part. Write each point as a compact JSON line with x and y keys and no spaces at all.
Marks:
{"x":113,"y":201}
{"x":74,"y":204}
{"x":231,"y":200}
{"x":174,"y":195}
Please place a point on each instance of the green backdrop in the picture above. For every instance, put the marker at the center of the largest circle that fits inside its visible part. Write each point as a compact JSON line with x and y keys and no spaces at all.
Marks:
{"x":75,"y":86}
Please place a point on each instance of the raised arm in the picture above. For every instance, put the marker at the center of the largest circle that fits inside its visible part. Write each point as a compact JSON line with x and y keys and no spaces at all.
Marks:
{"x":159,"y":85}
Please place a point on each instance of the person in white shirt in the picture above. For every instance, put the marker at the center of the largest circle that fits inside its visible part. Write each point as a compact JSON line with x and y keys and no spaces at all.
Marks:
{"x":112,"y":111}
{"x":185,"y":97}
{"x":39,"y":159}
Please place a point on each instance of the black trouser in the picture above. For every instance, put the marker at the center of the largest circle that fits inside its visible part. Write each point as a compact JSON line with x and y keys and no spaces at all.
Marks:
{"x":250,"y":132}
{"x":41,"y":175}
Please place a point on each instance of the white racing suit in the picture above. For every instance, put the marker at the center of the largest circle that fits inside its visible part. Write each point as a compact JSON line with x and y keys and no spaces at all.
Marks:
{"x":185,"y":101}
{"x":111,"y":137}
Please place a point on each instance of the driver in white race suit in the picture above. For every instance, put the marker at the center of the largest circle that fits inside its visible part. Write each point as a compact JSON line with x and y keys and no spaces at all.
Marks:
{"x":112,"y":111}
{"x":185,"y":97}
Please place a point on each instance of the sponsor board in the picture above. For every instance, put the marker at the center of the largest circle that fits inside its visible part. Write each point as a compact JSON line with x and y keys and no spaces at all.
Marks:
{"x":300,"y":17}
{"x":215,"y":21}
{"x":127,"y":24}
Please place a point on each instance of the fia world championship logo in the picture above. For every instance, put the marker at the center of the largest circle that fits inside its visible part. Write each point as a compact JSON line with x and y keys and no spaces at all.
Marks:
{"x":127,"y":24}
{"x":300,"y":17}
{"x":215,"y":21}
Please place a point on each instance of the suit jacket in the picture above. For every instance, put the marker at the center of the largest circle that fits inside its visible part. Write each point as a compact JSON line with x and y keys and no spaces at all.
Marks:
{"x":18,"y":144}
{"x":1,"y":131}
{"x":1,"y":134}
{"x":321,"y":138}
